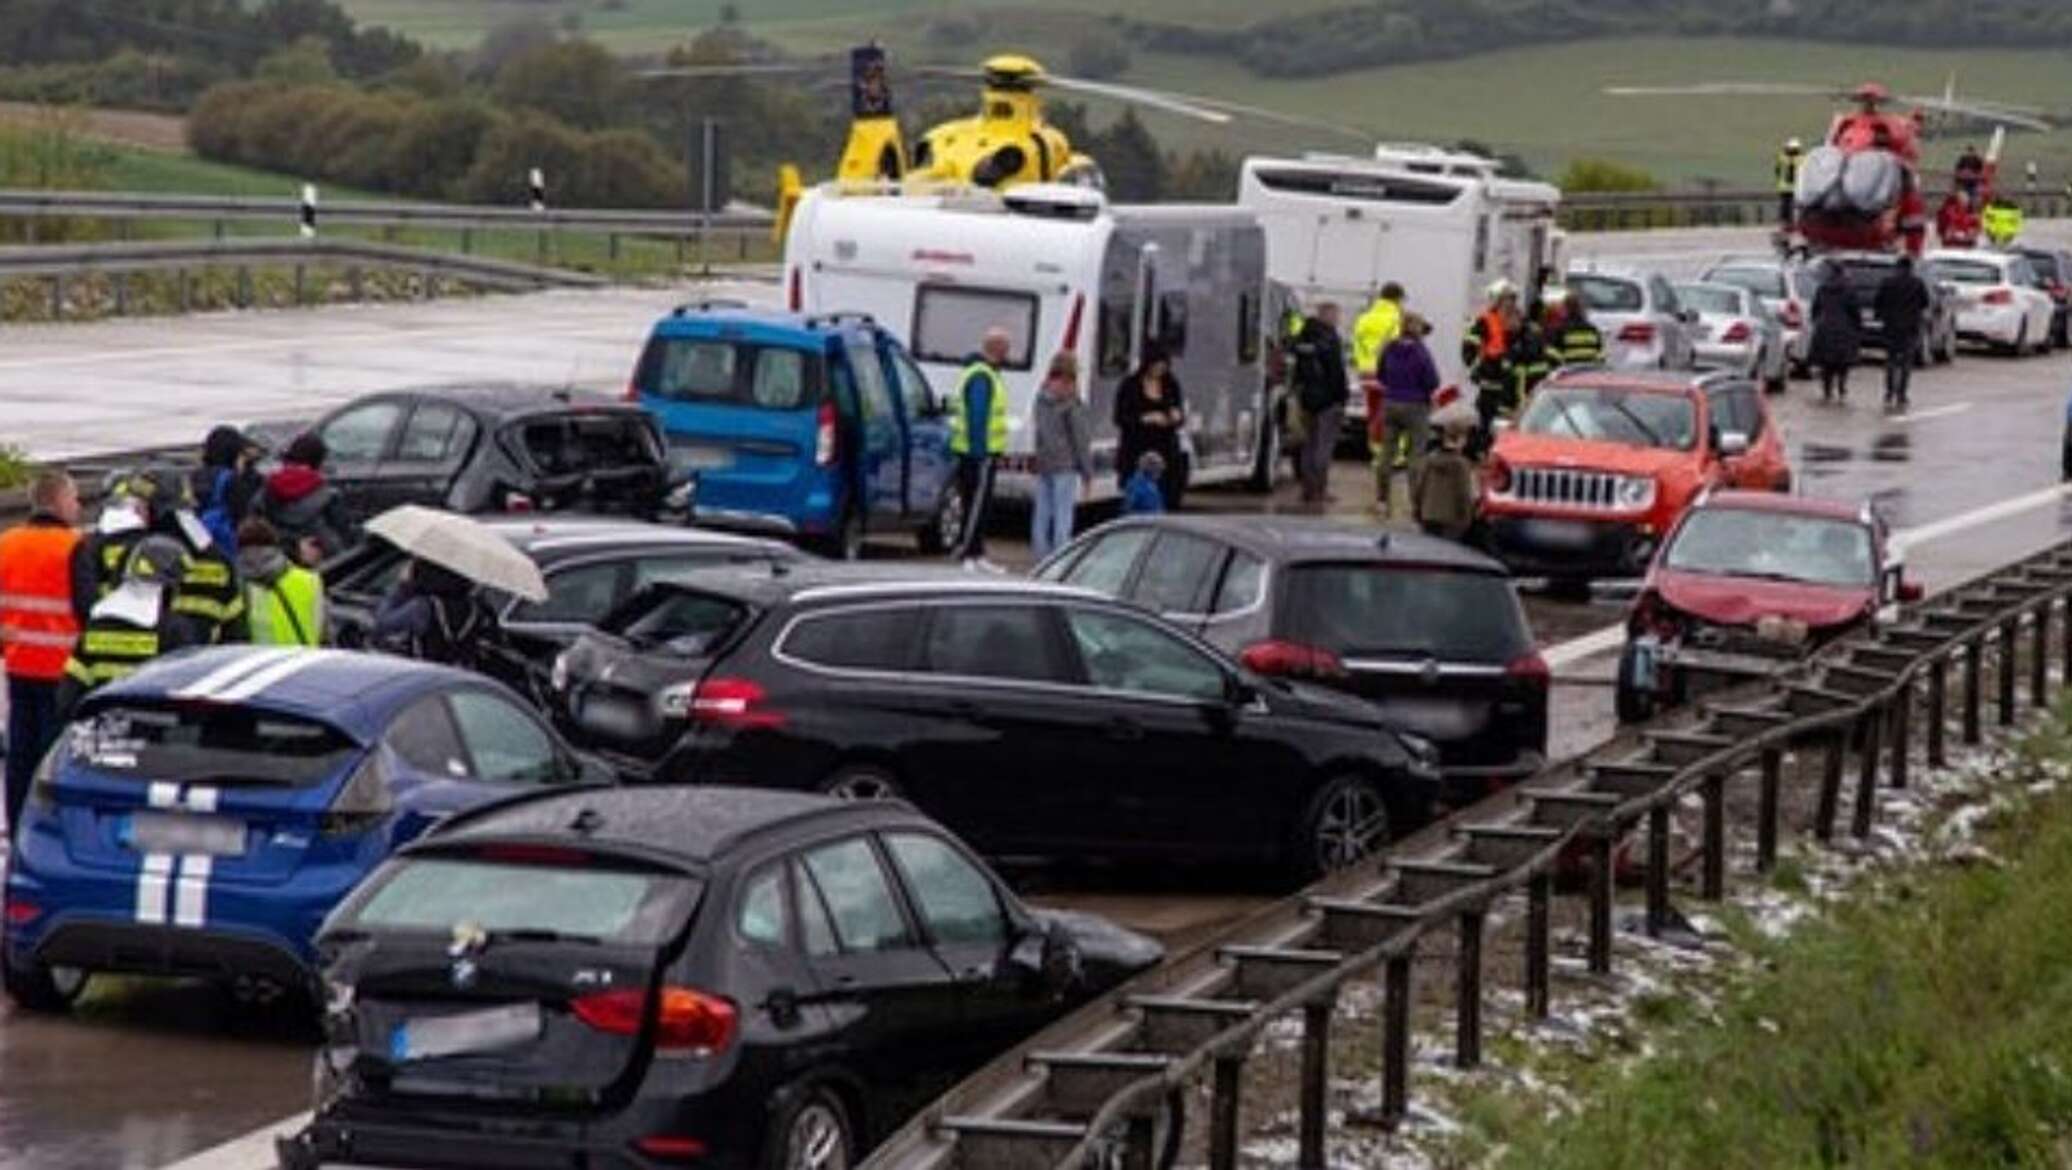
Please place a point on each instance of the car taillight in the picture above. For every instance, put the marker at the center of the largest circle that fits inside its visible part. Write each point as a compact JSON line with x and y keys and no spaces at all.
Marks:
{"x":1531,"y":669}
{"x":671,"y":1147}
{"x":1999,"y":296}
{"x":824,"y":446}
{"x":795,"y":296}
{"x":723,"y":702}
{"x":1738,"y":331}
{"x":1637,"y":333}
{"x":20,"y":913}
{"x":633,"y":390}
{"x":364,"y":802}
{"x":686,"y":1021}
{"x":518,"y":502}
{"x":1793,"y":317}
{"x":1284,"y":659}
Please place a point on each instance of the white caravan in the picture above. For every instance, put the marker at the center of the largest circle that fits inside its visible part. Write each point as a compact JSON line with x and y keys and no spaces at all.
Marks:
{"x":1442,"y":224}
{"x":1060,"y":269}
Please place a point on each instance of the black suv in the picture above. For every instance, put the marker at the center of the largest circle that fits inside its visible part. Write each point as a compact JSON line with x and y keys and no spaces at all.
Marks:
{"x":1867,"y":270}
{"x":625,"y":979}
{"x":1036,"y":721}
{"x":495,"y":448}
{"x":1429,"y":631}
{"x":591,"y":565}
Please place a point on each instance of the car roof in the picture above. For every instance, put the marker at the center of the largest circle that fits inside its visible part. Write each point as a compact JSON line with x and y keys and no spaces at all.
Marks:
{"x":1981,"y":255}
{"x":1787,"y":505}
{"x":506,"y":400}
{"x":760,"y":322}
{"x":815,"y":581}
{"x":352,"y":691}
{"x":1644,"y":381}
{"x":1309,"y":539}
{"x":1611,"y":271}
{"x":692,"y":823}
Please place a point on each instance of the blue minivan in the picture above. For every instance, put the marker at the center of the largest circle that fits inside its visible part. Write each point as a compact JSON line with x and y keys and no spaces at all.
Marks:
{"x":818,"y":428}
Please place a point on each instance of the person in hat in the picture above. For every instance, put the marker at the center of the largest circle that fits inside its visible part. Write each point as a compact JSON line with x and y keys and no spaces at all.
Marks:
{"x":1442,"y":487}
{"x":156,"y":500}
{"x":226,"y":485}
{"x":133,"y":623}
{"x":1143,"y":493}
{"x":284,"y":600}
{"x":301,"y":504}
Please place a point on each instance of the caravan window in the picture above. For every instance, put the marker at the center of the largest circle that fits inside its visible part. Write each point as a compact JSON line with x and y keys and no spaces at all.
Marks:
{"x":1172,"y":322}
{"x":1115,"y":338}
{"x":949,"y":323}
{"x":1247,"y":328}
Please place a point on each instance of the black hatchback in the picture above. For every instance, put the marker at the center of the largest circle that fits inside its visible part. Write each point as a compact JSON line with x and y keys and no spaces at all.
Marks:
{"x":1429,"y":631}
{"x":1037,"y":721}
{"x":635,"y":979}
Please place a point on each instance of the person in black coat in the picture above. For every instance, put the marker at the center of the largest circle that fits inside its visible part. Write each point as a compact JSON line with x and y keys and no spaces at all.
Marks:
{"x":1150,"y":414}
{"x":1836,"y":340}
{"x":1901,"y":303}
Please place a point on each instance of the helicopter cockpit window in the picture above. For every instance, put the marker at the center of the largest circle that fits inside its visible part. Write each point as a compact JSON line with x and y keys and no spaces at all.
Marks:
{"x":950,"y":322}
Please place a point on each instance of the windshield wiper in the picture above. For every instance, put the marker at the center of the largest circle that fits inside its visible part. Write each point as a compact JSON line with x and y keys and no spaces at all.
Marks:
{"x":1654,"y":438}
{"x":1561,"y":404}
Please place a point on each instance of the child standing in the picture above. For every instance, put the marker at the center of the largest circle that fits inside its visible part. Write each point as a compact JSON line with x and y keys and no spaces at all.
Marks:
{"x":1064,"y":455}
{"x":1141,"y":495}
{"x":1442,"y":488}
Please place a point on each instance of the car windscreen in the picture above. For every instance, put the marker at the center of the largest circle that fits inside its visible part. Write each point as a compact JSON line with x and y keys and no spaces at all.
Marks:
{"x":1606,"y":294}
{"x":1635,"y":418}
{"x":212,"y":743}
{"x":581,"y":443}
{"x":1763,"y":282}
{"x":438,"y":894}
{"x":2045,"y":264}
{"x":1453,"y":615}
{"x":1970,"y":272}
{"x":1724,"y":302}
{"x":723,"y":372}
{"x":682,"y":621}
{"x":1741,"y":543}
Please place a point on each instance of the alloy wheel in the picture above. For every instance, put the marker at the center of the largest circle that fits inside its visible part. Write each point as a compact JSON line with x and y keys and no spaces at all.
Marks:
{"x":816,"y":1141}
{"x":1352,"y":826}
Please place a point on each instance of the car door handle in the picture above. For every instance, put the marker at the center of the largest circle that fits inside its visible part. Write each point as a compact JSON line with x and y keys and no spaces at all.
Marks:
{"x":1126,"y":730}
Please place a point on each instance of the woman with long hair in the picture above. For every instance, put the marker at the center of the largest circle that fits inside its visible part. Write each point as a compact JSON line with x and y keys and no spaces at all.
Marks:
{"x":1150,"y":415}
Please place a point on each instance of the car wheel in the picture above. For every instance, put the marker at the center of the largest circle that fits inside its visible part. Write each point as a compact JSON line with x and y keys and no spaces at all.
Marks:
{"x":2021,"y":340}
{"x":810,"y":1132}
{"x":845,"y":543}
{"x":37,"y":988}
{"x":1347,"y":823}
{"x":859,"y":782}
{"x":1629,"y":702}
{"x":946,"y":527}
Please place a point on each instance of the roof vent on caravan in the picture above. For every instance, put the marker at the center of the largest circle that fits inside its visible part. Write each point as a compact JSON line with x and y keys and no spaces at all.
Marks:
{"x":1055,"y":201}
{"x":1419,"y":158}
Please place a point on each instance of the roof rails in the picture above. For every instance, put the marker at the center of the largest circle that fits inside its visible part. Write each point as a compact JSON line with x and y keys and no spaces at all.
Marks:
{"x":709,"y":305}
{"x":840,"y":317}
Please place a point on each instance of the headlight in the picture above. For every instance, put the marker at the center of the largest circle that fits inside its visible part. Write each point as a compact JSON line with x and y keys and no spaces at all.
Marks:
{"x":1636,"y":491}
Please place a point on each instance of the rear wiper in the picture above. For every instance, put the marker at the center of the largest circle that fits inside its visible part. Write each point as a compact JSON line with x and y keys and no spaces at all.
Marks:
{"x":538,"y":934}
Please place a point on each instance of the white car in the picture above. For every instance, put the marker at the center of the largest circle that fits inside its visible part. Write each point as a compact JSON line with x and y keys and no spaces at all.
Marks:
{"x":1786,"y":287}
{"x":1644,"y":325}
{"x":1998,"y":302}
{"x":1736,"y":331}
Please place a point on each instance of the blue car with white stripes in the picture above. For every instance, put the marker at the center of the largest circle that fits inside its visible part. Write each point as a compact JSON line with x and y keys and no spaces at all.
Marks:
{"x":201,"y":817}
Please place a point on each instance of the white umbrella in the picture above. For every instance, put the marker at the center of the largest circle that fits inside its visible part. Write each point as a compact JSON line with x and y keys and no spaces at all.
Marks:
{"x":456,"y":543}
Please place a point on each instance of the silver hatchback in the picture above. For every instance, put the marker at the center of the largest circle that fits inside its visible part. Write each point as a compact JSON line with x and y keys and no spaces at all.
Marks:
{"x":1737,"y":332}
{"x":1645,"y":326}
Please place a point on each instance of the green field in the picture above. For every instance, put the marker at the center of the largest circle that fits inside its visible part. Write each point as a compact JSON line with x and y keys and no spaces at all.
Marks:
{"x":148,"y":170}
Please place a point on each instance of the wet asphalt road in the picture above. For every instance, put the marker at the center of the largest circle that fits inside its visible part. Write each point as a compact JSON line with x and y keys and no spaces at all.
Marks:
{"x":147,"y":1073}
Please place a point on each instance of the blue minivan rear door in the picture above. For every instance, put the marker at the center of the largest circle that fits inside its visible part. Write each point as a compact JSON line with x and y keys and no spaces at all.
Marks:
{"x":881,"y":464}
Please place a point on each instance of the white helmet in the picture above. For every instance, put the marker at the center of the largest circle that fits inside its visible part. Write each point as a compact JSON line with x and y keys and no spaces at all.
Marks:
{"x":1794,"y":145}
{"x":1500,"y":288}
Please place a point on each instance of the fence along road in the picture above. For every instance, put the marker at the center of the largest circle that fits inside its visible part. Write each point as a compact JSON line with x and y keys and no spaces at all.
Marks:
{"x":1092,"y":1089}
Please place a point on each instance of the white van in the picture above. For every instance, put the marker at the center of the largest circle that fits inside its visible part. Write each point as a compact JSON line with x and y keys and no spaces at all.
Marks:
{"x":1442,"y":224}
{"x":1060,"y":269}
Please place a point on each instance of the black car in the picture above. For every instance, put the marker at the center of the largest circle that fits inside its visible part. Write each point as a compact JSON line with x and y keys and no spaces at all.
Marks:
{"x":1428,"y":630}
{"x":591,"y":564}
{"x":630,"y":979}
{"x":495,"y":448}
{"x":1035,"y":720}
{"x":2054,"y":275}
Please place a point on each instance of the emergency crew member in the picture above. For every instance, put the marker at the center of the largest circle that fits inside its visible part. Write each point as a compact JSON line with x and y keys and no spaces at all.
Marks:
{"x":1971,"y":174}
{"x":978,"y":434}
{"x":37,"y":629}
{"x":2002,"y":223}
{"x":1786,"y":173}
{"x":157,"y":501}
{"x":1576,"y":341}
{"x":284,"y":602}
{"x":1531,"y":359}
{"x":1381,"y":324}
{"x":1485,"y":350}
{"x":133,"y":624}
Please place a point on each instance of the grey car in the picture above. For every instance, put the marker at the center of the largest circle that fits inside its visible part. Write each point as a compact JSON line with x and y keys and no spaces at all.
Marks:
{"x":1737,"y":332}
{"x":1644,"y":325}
{"x":1786,"y":287}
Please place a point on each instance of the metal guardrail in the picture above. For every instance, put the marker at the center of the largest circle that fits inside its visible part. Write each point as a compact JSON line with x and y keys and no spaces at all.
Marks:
{"x":288,"y":211}
{"x":1745,"y":207}
{"x":1090,"y":1090}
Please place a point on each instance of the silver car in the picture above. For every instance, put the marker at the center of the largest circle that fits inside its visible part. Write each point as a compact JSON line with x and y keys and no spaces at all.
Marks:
{"x":1786,"y":287}
{"x":1737,"y":332}
{"x":1644,"y":325}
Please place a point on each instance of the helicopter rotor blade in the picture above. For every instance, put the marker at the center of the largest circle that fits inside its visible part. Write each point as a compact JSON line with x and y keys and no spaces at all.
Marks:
{"x":1727,"y":89}
{"x":721,"y":71}
{"x":1984,"y":111}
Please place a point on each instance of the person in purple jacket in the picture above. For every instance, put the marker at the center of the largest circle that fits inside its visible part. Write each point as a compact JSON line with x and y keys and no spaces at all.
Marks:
{"x":1408,"y":380}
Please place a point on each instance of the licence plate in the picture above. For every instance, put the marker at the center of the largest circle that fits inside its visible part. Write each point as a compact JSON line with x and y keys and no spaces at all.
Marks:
{"x":701,"y":458}
{"x":484,"y":1031}
{"x":1559,"y":533}
{"x":182,"y":833}
{"x":611,"y":717}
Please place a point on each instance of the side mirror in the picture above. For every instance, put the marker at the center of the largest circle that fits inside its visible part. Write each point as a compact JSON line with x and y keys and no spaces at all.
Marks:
{"x":1238,"y":693}
{"x":1732,"y":443}
{"x":1046,"y":961}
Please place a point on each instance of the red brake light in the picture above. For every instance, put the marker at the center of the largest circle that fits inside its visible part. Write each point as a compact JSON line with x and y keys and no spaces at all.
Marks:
{"x":796,"y":295}
{"x":633,"y":389}
{"x":1637,"y":333}
{"x":731,"y":702}
{"x":685,"y":1021}
{"x":824,"y":446}
{"x":1999,"y":296}
{"x":1499,"y":476}
{"x":1291,"y":660}
{"x":519,"y":854}
{"x":669,"y":1147}
{"x":1651,"y":616}
{"x":1738,"y":331}
{"x":20,"y":913}
{"x":1532,"y":669}
{"x":1071,"y":344}
{"x":517,"y":502}
{"x":1793,"y":318}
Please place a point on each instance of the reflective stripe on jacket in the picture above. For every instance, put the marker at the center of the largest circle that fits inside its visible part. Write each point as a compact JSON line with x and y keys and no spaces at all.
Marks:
{"x":287,"y":612}
{"x":1579,"y":343}
{"x":37,"y":628}
{"x":209,"y":593}
{"x":108,"y":652}
{"x":1787,"y":171}
{"x":996,"y":411}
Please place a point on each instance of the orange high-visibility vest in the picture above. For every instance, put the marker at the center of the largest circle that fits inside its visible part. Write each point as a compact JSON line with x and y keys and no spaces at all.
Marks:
{"x":36,"y":624}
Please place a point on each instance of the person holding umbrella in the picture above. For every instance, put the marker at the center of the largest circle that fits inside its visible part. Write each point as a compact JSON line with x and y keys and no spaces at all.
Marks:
{"x":436,"y":612}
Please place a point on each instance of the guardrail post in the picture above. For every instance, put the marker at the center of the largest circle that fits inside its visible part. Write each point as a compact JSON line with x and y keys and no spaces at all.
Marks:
{"x":543,"y":246}
{"x":1902,"y":732}
{"x":244,"y":286}
{"x":1601,"y":877}
{"x":1223,"y":1112}
{"x":467,"y":241}
{"x":1316,"y":1081}
{"x":1974,"y":688}
{"x":1539,"y":893}
{"x":1766,"y":810}
{"x":354,"y":281}
{"x":186,"y":289}
{"x":2009,"y":639}
{"x":1467,"y":1006}
{"x":1658,"y":870}
{"x":2039,"y":658}
{"x":301,"y":285}
{"x":1867,"y":779}
{"x":1713,"y":887}
{"x":1938,"y":710}
{"x":1395,"y":1041}
{"x":122,"y":292}
{"x":57,"y":298}
{"x":1830,"y":785}
{"x":219,"y":229}
{"x":682,"y":247}
{"x":611,"y":246}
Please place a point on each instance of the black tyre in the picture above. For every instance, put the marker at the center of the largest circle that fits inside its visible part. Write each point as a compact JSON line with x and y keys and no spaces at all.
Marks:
{"x":810,"y":1129}
{"x":861,"y":782}
{"x":37,"y":988}
{"x":2021,"y":341}
{"x":1629,"y":702}
{"x":945,"y":527}
{"x":845,"y":543}
{"x":1268,"y":455}
{"x":1346,"y":824}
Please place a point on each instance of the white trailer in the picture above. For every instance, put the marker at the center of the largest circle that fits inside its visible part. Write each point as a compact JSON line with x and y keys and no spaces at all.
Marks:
{"x":1060,"y":269}
{"x":1442,"y":224}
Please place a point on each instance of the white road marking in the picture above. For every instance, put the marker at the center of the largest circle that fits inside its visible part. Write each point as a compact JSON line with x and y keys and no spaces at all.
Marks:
{"x":1915,"y":416}
{"x":1590,"y":645}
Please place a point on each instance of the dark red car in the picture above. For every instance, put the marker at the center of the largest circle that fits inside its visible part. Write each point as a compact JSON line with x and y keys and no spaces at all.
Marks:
{"x":1746,"y":582}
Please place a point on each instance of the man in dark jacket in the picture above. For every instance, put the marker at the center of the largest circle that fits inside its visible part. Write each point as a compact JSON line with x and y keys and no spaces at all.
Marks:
{"x":1322,"y":389}
{"x":300,"y":504}
{"x":1901,"y":302}
{"x":156,"y":501}
{"x":225,"y":485}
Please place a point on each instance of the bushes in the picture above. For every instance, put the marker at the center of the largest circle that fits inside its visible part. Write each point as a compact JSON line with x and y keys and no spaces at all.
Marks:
{"x":455,"y":148}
